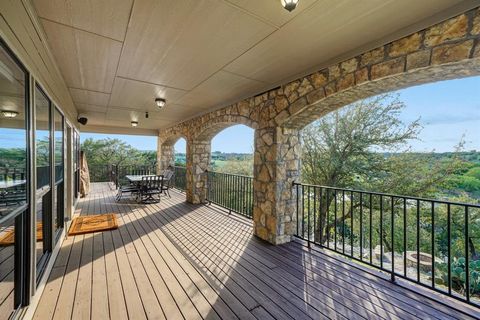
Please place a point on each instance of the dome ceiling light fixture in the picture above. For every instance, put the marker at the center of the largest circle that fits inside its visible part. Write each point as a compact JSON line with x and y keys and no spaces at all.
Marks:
{"x":289,"y":5}
{"x":134,"y":123}
{"x":9,"y":114}
{"x":160,"y":102}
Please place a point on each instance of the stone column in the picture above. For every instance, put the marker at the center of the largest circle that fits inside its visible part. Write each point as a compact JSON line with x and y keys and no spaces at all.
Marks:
{"x":198,"y":160}
{"x":276,"y":167}
{"x":165,"y":155}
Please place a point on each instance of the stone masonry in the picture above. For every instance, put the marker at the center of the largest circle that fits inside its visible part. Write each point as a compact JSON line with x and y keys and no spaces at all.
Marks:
{"x":448,"y":50}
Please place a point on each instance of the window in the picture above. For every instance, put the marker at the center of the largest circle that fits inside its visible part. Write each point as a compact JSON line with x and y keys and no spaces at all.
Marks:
{"x":42,"y":138}
{"x":13,"y":138}
{"x":58,"y":137}
{"x":13,"y":180}
{"x":43,"y":214}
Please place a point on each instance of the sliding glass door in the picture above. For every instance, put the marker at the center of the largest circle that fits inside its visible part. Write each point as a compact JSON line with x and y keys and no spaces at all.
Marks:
{"x":14,"y":182}
{"x":43,"y":215}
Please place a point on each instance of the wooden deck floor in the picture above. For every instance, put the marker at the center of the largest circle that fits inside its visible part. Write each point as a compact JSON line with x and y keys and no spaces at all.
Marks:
{"x":174,"y":260}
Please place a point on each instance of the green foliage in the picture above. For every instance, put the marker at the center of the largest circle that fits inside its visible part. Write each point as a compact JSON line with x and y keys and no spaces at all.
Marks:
{"x":343,"y":149}
{"x":459,"y":273}
{"x":117,"y":152}
{"x":241,"y":167}
{"x":474,"y":172}
{"x":339,"y":149}
{"x":12,"y":158}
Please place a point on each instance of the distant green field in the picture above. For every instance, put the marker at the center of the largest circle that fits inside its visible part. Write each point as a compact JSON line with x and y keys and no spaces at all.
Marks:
{"x":218,"y":163}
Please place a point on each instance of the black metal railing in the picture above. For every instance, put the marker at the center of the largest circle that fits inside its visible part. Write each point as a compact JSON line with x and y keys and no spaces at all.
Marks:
{"x":430,"y":242}
{"x":231,"y":191}
{"x":180,"y":177}
{"x":116,"y":174}
{"x":101,"y":173}
{"x":7,"y":174}
{"x":120,"y":172}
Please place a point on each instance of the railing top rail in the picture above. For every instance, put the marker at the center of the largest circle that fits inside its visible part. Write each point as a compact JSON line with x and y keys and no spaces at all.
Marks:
{"x":471,"y":205}
{"x":229,"y":174}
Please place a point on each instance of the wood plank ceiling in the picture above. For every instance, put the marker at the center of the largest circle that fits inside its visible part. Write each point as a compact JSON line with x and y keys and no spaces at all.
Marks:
{"x":116,"y":56}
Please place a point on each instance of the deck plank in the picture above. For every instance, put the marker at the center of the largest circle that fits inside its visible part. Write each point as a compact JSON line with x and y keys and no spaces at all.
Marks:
{"x":173,"y":260}
{"x":210,"y":289}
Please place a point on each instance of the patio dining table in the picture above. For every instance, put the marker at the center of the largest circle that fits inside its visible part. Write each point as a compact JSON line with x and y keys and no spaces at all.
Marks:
{"x":137,"y":178}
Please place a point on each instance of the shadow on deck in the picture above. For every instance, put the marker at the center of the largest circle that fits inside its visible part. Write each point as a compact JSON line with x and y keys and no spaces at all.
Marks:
{"x":174,"y":260}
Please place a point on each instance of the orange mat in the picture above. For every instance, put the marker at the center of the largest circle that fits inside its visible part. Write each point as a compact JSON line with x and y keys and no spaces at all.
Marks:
{"x":93,"y":223}
{"x":8,"y":238}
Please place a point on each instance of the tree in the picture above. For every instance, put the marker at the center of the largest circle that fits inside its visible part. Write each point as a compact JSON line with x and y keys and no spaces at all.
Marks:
{"x":115,"y":152}
{"x":365,"y":146}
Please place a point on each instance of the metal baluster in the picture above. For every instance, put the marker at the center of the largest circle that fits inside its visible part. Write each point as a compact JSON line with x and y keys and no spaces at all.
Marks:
{"x":433,"y":243}
{"x":371,"y":229}
{"x":351,"y":223}
{"x":327,"y":220}
{"x":418,"y":240}
{"x":308,"y":217}
{"x":303,"y":212}
{"x":449,"y":267}
{"x":343,"y":221}
{"x":381,"y":232}
{"x":298,"y":199}
{"x":335,"y":221}
{"x":321,"y":218}
{"x":405,"y":237}
{"x":314,"y":212}
{"x":361,"y":226}
{"x":467,"y":256}
{"x":392,"y":223}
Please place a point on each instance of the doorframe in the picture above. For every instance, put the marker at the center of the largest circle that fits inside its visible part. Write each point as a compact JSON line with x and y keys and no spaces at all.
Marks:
{"x":69,"y":177}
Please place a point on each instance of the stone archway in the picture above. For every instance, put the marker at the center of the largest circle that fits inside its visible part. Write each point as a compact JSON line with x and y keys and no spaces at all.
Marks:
{"x":166,"y":150}
{"x":447,"y":50}
{"x":199,"y":153}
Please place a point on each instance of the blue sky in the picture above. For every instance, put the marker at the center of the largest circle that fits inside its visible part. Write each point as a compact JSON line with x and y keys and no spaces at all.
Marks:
{"x":447,"y":110}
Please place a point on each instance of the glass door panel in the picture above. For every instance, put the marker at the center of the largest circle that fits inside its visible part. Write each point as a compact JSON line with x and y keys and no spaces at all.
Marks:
{"x":14,"y":181}
{"x":43,"y":127}
{"x":59,"y":170}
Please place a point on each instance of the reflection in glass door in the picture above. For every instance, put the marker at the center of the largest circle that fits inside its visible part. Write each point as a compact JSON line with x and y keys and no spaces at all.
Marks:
{"x":59,"y":171}
{"x":14,"y":181}
{"x":43,"y":157}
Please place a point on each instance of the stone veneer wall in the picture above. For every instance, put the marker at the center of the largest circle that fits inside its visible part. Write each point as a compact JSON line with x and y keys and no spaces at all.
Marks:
{"x":450,"y":49}
{"x":276,"y":167}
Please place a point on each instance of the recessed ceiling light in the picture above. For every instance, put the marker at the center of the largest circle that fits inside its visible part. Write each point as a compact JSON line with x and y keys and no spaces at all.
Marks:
{"x":160,"y":102}
{"x":9,"y":114}
{"x":289,"y":4}
{"x":134,"y":123}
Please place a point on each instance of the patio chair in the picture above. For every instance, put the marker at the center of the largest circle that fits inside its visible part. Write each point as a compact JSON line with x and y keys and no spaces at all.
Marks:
{"x":167,"y":182}
{"x":149,"y":187}
{"x":132,"y":189}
